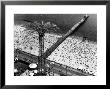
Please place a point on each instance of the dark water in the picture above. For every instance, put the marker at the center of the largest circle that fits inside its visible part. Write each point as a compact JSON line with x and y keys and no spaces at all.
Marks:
{"x":64,"y":22}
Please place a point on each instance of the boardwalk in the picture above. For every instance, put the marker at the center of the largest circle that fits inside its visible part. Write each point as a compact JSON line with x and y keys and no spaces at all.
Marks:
{"x":56,"y":68}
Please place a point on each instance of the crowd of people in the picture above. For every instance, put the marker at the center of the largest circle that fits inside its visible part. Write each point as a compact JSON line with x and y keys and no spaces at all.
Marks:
{"x":77,"y":54}
{"x":72,"y":52}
